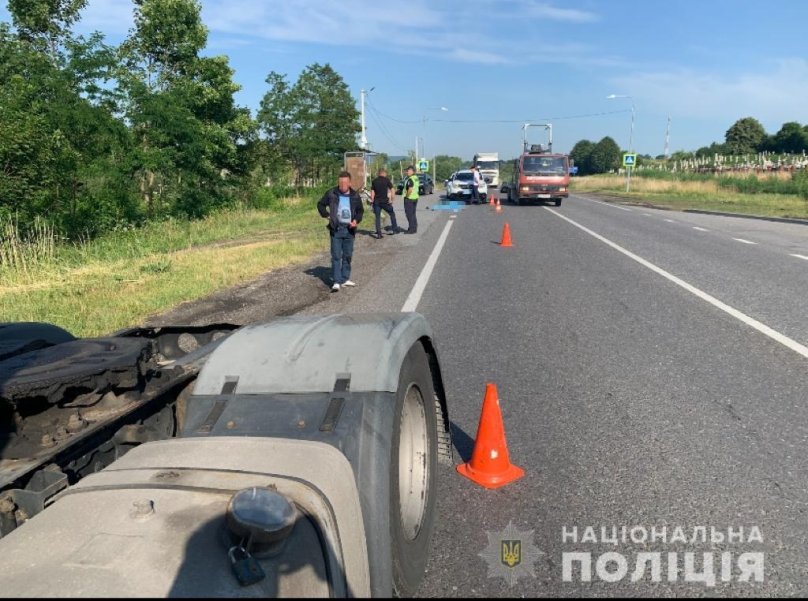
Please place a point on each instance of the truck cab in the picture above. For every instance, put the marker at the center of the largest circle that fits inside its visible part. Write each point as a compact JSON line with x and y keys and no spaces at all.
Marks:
{"x":539,"y":175}
{"x":488,"y":164}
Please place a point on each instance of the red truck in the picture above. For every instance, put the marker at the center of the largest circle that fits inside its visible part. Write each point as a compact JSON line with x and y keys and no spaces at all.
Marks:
{"x":539,"y":173}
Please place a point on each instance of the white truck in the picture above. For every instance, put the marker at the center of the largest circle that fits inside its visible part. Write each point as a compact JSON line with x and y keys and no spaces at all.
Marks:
{"x":293,"y":458}
{"x":488,"y":164}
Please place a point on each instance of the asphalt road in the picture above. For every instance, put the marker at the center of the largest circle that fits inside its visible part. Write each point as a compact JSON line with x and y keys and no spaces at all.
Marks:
{"x":629,"y":400}
{"x":651,"y":367}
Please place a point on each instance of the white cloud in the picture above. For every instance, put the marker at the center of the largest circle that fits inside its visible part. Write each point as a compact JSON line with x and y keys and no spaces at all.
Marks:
{"x":773,"y":96}
{"x":453,"y":31}
{"x":547,"y":11}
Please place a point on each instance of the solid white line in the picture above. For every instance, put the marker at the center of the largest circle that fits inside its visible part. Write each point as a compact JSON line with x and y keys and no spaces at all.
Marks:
{"x":800,"y":257}
{"x":744,"y":241}
{"x":605,"y":204}
{"x":411,"y":304}
{"x":750,"y":321}
{"x":701,"y":229}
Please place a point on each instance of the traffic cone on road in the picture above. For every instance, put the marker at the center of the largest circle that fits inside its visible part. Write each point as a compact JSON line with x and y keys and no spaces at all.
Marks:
{"x":498,"y":206}
{"x":491,"y":200}
{"x":490,"y":465}
{"x":506,"y":236}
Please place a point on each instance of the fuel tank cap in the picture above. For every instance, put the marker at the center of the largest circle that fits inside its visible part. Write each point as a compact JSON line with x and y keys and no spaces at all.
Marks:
{"x":262,"y":517}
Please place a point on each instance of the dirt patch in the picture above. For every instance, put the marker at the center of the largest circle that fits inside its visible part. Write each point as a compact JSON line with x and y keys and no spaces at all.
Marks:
{"x":283,"y":291}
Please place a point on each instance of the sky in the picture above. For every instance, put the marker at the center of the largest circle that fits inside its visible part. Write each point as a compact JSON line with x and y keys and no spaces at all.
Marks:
{"x":496,"y":65}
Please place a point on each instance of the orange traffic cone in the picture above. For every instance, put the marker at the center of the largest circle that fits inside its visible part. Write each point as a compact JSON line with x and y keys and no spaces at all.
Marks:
{"x":506,"y":236}
{"x":491,"y":200}
{"x":498,"y":206}
{"x":490,"y":465}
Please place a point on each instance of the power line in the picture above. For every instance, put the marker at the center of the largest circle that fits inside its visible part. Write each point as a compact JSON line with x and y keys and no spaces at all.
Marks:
{"x":536,"y":119}
{"x":600,"y":114}
{"x":384,"y":130}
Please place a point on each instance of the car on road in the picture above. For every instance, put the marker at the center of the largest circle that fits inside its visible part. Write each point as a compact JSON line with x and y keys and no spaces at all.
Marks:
{"x":427,"y":185}
{"x":458,"y":186}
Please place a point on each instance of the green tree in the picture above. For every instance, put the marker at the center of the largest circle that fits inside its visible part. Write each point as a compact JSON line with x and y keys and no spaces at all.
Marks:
{"x":446,"y":165}
{"x":791,"y":138}
{"x":581,"y":153}
{"x":45,"y":22}
{"x":745,"y":136}
{"x":190,"y":136}
{"x":605,"y":156}
{"x":711,"y":150}
{"x":310,"y":124}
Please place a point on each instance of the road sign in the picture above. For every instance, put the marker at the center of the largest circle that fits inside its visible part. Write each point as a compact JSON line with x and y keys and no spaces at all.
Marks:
{"x":423,"y":165}
{"x":574,"y":170}
{"x":629,"y":159}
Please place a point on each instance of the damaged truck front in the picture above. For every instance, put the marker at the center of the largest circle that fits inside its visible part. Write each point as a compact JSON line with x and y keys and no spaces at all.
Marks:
{"x":292,"y":458}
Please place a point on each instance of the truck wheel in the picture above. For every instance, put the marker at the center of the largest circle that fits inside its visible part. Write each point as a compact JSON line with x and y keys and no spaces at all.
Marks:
{"x":558,"y":202}
{"x":412,"y":483}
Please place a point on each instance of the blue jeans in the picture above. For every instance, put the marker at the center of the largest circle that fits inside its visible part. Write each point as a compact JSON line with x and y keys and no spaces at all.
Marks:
{"x":342,"y":242}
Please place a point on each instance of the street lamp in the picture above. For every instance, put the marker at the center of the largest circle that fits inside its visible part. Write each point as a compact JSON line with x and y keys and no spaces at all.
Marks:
{"x":631,"y":135}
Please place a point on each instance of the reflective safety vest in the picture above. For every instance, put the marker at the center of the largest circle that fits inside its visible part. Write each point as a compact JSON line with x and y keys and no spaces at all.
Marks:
{"x":416,"y":184}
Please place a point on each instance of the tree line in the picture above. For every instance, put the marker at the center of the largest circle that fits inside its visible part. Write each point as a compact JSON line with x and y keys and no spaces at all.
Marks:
{"x":94,"y":136}
{"x":746,"y":136}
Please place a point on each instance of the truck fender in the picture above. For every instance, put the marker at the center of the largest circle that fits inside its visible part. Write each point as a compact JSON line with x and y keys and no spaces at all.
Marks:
{"x":335,"y":380}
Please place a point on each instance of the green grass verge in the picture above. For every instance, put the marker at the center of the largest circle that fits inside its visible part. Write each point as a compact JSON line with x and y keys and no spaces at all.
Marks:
{"x":704,"y":194}
{"x":120,"y":279}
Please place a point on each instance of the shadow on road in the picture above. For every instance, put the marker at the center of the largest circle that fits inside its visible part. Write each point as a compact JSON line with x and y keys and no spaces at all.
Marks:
{"x":463,"y":443}
{"x":321,"y":273}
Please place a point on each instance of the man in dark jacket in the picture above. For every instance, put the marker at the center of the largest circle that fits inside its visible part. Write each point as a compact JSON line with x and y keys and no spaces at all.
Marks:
{"x":342,"y":206}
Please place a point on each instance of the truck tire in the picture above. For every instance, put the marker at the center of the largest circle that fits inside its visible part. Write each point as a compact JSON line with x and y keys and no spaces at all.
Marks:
{"x":558,"y":202}
{"x":413,"y":473}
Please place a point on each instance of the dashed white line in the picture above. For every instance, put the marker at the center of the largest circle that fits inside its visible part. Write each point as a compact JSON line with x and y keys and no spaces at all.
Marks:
{"x":800,"y":256}
{"x":411,"y":304}
{"x":647,"y":214}
{"x":750,"y":321}
{"x":701,"y":229}
{"x":744,"y":241}
{"x":670,"y":221}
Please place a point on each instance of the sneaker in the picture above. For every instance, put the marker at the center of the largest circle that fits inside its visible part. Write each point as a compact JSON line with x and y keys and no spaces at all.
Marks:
{"x":349,"y":283}
{"x":377,"y":235}
{"x":335,"y":287}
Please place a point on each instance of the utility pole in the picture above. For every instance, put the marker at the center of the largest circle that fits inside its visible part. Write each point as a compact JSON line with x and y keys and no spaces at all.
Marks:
{"x":667,"y":139}
{"x":363,"y":141}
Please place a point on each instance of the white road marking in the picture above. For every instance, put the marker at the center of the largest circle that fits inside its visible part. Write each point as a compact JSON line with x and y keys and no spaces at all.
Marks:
{"x":744,"y":241}
{"x":742,"y":317}
{"x":670,"y":221}
{"x":800,"y":257}
{"x":701,"y":229}
{"x":605,"y":204}
{"x":411,"y":304}
{"x":647,"y":214}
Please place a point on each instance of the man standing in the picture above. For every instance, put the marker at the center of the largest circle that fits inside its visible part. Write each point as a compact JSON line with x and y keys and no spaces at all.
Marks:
{"x":380,"y":193}
{"x":342,"y":206}
{"x":475,"y":185}
{"x":411,"y":194}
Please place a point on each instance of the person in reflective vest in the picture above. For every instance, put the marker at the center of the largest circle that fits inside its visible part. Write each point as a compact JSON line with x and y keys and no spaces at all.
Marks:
{"x":411,"y":194}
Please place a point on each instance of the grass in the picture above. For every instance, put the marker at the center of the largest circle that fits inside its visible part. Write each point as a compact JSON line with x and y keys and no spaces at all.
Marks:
{"x":703,"y":192}
{"x":97,"y":287}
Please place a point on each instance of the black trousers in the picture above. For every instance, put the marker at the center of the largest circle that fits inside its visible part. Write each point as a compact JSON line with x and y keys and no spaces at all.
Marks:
{"x":378,"y":207}
{"x":409,"y":211}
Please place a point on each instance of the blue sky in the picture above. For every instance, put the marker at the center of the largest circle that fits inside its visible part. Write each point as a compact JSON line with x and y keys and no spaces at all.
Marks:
{"x":497,"y":64}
